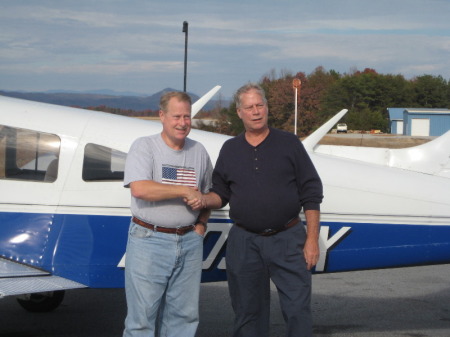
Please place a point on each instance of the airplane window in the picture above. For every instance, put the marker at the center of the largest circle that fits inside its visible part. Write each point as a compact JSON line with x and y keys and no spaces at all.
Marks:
{"x":28,"y":155}
{"x":103,"y":163}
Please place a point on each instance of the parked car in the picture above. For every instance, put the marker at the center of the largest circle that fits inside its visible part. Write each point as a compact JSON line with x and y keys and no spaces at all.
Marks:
{"x":342,"y":127}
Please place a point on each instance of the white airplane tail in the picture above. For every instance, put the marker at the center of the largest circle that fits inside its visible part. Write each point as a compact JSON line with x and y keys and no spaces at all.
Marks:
{"x":314,"y":138}
{"x":431,"y":158}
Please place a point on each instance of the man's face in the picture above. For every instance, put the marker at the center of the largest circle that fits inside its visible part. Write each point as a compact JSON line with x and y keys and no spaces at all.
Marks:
{"x":176,"y":121}
{"x":253,"y":111}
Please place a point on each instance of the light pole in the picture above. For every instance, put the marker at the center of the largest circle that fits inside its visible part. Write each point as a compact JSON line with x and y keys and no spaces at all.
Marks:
{"x":296,"y":83}
{"x":185,"y":30}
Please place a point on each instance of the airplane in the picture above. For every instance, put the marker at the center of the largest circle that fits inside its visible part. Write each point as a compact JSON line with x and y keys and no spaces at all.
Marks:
{"x":64,"y":213}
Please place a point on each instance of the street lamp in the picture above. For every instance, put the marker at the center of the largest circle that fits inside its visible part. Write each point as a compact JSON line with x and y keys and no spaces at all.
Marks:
{"x":296,"y":83}
{"x":185,"y":30}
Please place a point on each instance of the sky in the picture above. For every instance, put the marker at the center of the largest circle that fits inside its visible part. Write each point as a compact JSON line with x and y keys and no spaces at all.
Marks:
{"x":138,"y":45}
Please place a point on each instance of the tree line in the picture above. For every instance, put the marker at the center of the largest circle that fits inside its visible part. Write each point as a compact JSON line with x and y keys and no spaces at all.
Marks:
{"x":366,"y":94}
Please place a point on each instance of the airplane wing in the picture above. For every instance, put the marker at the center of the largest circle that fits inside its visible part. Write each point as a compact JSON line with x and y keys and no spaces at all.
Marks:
{"x":18,"y":279}
{"x":198,"y":105}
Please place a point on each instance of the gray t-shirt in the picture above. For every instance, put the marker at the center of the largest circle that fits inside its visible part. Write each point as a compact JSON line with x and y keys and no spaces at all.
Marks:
{"x":150,"y":158}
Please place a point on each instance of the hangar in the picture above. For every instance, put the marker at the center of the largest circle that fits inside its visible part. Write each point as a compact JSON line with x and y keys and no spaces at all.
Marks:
{"x":419,"y":121}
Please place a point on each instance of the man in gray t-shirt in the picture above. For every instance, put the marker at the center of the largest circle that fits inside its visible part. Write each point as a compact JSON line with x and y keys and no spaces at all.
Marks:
{"x":165,"y":242}
{"x":150,"y":159}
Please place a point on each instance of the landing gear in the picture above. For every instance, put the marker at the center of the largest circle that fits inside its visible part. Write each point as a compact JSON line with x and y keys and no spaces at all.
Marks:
{"x":41,"y":302}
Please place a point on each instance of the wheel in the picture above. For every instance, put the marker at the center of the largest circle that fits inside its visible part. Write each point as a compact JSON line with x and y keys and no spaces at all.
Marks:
{"x":42,"y":302}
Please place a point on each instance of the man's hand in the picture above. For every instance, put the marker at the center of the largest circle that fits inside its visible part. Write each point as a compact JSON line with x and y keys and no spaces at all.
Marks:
{"x":200,"y":229}
{"x":311,"y":249}
{"x":210,"y":200}
{"x":311,"y":252}
{"x":194,"y":199}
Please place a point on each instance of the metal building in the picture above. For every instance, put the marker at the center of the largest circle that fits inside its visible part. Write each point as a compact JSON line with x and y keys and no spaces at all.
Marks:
{"x":396,"y":120}
{"x":419,"y":121}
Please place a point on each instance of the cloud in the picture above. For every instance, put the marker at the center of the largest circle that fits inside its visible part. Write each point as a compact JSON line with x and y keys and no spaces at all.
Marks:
{"x":229,"y":42}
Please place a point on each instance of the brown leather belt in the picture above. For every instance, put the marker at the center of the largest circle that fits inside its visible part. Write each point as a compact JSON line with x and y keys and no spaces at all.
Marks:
{"x":269,"y":231}
{"x":168,"y":230}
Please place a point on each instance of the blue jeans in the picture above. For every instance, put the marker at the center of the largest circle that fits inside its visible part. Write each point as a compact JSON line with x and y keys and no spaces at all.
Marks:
{"x":162,"y":283}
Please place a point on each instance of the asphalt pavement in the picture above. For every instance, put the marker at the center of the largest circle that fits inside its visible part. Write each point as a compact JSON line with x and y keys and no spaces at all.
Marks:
{"x":412,"y":301}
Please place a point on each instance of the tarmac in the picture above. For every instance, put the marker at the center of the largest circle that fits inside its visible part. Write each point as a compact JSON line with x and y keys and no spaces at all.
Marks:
{"x":412,"y":301}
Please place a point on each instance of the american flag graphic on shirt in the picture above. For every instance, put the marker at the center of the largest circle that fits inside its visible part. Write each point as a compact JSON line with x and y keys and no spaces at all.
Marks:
{"x":176,"y":175}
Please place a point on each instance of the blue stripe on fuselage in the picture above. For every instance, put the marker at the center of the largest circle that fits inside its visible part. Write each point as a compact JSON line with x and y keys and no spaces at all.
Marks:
{"x":87,"y":248}
{"x":370,"y":246}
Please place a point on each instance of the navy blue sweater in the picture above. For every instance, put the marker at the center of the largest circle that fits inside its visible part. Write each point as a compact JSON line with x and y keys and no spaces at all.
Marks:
{"x":267,"y":185}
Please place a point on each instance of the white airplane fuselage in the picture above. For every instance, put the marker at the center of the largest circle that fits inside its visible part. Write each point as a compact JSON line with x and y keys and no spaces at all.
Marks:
{"x":75,"y":226}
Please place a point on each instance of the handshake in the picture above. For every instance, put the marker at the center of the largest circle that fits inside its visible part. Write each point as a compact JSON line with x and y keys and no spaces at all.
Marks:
{"x":197,"y":201}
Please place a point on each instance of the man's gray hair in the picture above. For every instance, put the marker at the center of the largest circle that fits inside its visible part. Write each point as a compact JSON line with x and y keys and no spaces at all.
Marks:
{"x":246,"y":88}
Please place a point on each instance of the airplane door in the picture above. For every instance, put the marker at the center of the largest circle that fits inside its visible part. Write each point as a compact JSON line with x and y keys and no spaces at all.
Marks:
{"x":31,"y":181}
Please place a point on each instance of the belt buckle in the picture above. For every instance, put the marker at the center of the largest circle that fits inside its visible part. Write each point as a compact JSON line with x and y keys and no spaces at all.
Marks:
{"x":184,"y":230}
{"x":268,"y":231}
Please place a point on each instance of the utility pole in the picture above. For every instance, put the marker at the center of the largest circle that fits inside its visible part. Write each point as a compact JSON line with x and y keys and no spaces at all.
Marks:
{"x":296,"y":83}
{"x":185,"y":30}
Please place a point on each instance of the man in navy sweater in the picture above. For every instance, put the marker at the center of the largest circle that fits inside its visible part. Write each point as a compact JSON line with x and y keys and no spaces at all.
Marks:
{"x":267,"y":177}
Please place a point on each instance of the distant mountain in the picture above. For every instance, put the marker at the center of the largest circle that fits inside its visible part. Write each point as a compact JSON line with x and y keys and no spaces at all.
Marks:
{"x":86,"y":100}
{"x":108,"y":92}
